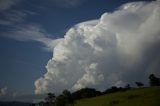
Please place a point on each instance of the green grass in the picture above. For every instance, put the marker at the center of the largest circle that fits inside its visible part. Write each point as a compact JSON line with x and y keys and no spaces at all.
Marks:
{"x":134,"y":97}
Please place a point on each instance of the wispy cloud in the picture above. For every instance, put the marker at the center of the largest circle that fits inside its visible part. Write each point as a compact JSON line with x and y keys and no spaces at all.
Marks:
{"x":13,"y":20}
{"x":5,"y":22}
{"x":7,"y":4}
{"x":68,"y":3}
{"x":32,"y":33}
{"x":9,"y":15}
{"x":14,"y":17}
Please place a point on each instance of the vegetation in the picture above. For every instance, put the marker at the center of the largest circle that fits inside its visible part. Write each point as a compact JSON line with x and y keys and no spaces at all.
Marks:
{"x":154,"y":81}
{"x":85,"y":93}
{"x":64,"y":98}
{"x":134,"y":97}
{"x":50,"y":97}
{"x":139,"y":84}
{"x":113,"y":96}
{"x":114,"y":89}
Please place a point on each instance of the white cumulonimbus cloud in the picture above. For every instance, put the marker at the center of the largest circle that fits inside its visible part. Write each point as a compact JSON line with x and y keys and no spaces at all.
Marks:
{"x":121,"y":47}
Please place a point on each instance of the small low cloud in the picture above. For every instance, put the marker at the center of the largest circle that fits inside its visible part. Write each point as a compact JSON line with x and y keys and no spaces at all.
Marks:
{"x":29,"y":98}
{"x":3,"y":91}
{"x":120,"y":47}
{"x":10,"y":95}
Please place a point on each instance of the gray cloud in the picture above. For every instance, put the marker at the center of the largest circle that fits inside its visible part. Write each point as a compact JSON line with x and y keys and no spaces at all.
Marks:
{"x":120,"y":47}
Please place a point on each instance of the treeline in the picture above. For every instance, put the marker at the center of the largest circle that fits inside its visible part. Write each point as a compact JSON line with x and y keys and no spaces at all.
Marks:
{"x":68,"y":99}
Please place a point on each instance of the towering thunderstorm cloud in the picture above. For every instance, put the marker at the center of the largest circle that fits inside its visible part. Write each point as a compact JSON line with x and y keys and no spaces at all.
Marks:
{"x":120,"y":47}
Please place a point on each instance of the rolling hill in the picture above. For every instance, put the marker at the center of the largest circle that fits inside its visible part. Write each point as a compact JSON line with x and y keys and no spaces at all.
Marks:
{"x":149,"y":96}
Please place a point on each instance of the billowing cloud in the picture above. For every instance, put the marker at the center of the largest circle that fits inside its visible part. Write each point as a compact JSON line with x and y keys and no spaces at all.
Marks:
{"x":120,"y":47}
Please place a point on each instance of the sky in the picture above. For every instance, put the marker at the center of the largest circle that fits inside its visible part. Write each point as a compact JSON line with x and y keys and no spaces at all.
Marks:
{"x":52,"y":45}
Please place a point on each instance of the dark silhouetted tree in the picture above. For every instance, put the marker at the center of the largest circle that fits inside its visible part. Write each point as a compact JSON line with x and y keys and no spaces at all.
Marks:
{"x":68,"y":97}
{"x":85,"y":93}
{"x":113,"y":89}
{"x":50,"y":98}
{"x":154,"y":81}
{"x":64,"y":99}
{"x":139,"y":84}
{"x":60,"y":100}
{"x":32,"y":104}
{"x":128,"y":86}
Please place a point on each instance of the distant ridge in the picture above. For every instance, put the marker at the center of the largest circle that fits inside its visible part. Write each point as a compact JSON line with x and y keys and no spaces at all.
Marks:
{"x":14,"y":103}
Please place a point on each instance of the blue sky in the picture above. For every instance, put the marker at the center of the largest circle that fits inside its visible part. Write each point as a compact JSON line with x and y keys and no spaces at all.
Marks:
{"x":23,"y":26}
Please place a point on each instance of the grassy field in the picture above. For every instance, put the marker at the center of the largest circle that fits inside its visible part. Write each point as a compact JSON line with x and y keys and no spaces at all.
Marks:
{"x":134,"y":97}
